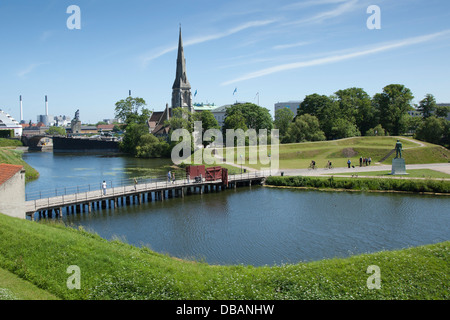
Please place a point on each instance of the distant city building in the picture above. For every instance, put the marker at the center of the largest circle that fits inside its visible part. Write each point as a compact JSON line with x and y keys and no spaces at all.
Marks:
{"x":219,"y":114}
{"x":204,"y":106}
{"x":47,"y":120}
{"x":62,"y":121}
{"x":111,"y":121}
{"x":293,"y":105}
{"x":8,"y":123}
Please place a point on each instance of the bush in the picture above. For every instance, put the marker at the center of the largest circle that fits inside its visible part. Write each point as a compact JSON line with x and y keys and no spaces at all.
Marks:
{"x":407,"y":185}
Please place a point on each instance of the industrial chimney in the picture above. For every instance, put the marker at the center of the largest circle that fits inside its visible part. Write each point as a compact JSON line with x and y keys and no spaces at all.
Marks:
{"x":46,"y":106}
{"x":21,"y":110}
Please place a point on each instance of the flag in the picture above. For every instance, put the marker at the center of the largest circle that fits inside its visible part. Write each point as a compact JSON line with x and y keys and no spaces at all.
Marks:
{"x":235,"y":90}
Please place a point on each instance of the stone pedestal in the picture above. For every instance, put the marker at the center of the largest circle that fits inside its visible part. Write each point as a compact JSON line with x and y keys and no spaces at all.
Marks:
{"x":398,"y":167}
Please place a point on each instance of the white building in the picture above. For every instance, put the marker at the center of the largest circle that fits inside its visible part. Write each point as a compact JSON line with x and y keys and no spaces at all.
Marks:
{"x":8,"y":123}
{"x":293,"y":105}
{"x":219,"y":114}
{"x":12,"y":190}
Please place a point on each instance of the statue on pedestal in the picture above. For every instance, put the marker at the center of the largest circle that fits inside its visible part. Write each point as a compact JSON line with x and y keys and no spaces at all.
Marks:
{"x":398,"y":163}
{"x":398,"y":150}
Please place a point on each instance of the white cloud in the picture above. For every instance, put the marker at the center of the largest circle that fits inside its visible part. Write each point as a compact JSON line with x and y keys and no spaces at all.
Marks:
{"x":305,"y":4}
{"x":338,"y":57}
{"x":336,"y":12}
{"x":290,"y":45}
{"x":29,"y":69}
{"x":201,"y":39}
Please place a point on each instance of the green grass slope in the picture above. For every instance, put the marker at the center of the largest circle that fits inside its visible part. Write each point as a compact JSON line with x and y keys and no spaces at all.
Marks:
{"x":299,"y":155}
{"x":11,"y":156}
{"x":41,"y":253}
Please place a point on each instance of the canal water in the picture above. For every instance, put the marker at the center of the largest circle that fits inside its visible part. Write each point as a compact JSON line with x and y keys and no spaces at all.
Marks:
{"x":251,"y":226}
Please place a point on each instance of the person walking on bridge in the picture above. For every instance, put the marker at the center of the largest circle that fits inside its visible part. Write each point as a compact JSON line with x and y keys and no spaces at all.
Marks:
{"x":104,"y":187}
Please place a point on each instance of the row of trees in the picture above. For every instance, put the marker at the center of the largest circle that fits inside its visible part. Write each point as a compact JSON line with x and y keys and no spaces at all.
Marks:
{"x":347,"y":113}
{"x":352,"y":112}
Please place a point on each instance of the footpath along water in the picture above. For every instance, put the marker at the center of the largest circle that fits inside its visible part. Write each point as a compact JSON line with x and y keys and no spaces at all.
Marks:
{"x":257,"y":225}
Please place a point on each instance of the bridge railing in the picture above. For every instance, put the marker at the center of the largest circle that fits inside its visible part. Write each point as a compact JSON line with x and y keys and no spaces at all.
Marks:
{"x":123,"y":187}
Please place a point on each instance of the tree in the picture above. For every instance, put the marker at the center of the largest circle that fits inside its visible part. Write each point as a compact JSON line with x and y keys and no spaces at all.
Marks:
{"x":305,"y":128}
{"x":377,"y":131}
{"x":150,"y":146}
{"x":343,"y":128}
{"x":432,"y":130}
{"x":255,"y":117}
{"x":427,"y":106}
{"x":127,"y":110}
{"x":392,"y":105}
{"x":208,"y":120}
{"x":283,"y":118}
{"x":442,"y":111}
{"x":56,"y":131}
{"x":131,"y":139}
{"x":181,"y":119}
{"x":235,"y":121}
{"x":324,"y":108}
{"x":355,"y":105}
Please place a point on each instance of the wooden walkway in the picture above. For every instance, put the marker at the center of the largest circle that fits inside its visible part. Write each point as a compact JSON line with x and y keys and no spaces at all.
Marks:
{"x":133,"y":194}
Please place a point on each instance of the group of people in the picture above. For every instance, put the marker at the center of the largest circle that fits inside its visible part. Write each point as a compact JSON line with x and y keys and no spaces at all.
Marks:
{"x":364,"y":161}
{"x":171,"y":177}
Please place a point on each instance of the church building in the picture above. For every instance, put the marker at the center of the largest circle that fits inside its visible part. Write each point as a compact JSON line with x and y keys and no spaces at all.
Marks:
{"x":181,"y":96}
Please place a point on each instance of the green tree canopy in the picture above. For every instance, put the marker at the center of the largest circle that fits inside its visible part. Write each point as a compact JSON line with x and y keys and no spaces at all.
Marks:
{"x":56,"y":131}
{"x":127,"y":110}
{"x":392,"y":105}
{"x":427,"y":106}
{"x":432,"y":130}
{"x":283,"y":118}
{"x":208,"y":120}
{"x":255,"y":117}
{"x":305,"y":128}
{"x":355,"y":106}
{"x":133,"y":134}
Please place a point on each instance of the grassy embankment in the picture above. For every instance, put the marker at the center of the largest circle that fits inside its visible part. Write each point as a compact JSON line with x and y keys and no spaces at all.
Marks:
{"x":9,"y":155}
{"x":41,"y":253}
{"x":299,"y":155}
{"x":414,"y":173}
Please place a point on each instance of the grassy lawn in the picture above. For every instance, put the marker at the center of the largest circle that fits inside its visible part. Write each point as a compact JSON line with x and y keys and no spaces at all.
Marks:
{"x":14,"y":288}
{"x":299,"y":155}
{"x":415,"y":173}
{"x":40,"y":253}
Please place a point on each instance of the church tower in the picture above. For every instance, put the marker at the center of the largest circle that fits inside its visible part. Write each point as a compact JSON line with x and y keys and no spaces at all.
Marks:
{"x":181,"y":89}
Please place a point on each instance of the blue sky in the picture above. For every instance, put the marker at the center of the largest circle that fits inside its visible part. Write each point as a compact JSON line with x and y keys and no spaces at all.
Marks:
{"x":272,"y":50}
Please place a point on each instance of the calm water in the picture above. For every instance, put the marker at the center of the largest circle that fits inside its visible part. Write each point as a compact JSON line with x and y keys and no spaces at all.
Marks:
{"x":257,"y":226}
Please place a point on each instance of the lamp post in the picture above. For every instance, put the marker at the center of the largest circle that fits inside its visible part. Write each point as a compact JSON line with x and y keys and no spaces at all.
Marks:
{"x":241,"y":163}
{"x":270,"y":166}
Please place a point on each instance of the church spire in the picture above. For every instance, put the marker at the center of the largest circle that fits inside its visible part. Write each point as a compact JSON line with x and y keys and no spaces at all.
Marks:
{"x":181,"y":80}
{"x":181,"y":89}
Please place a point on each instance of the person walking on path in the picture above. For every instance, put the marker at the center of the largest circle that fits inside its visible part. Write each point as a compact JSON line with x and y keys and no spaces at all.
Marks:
{"x":104,"y":187}
{"x":349,"y":163}
{"x":360,"y":161}
{"x":169,"y":176}
{"x":173,"y":178}
{"x":135,"y":183}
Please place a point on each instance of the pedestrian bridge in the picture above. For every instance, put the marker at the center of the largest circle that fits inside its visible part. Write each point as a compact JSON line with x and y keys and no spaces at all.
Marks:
{"x":131,"y":194}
